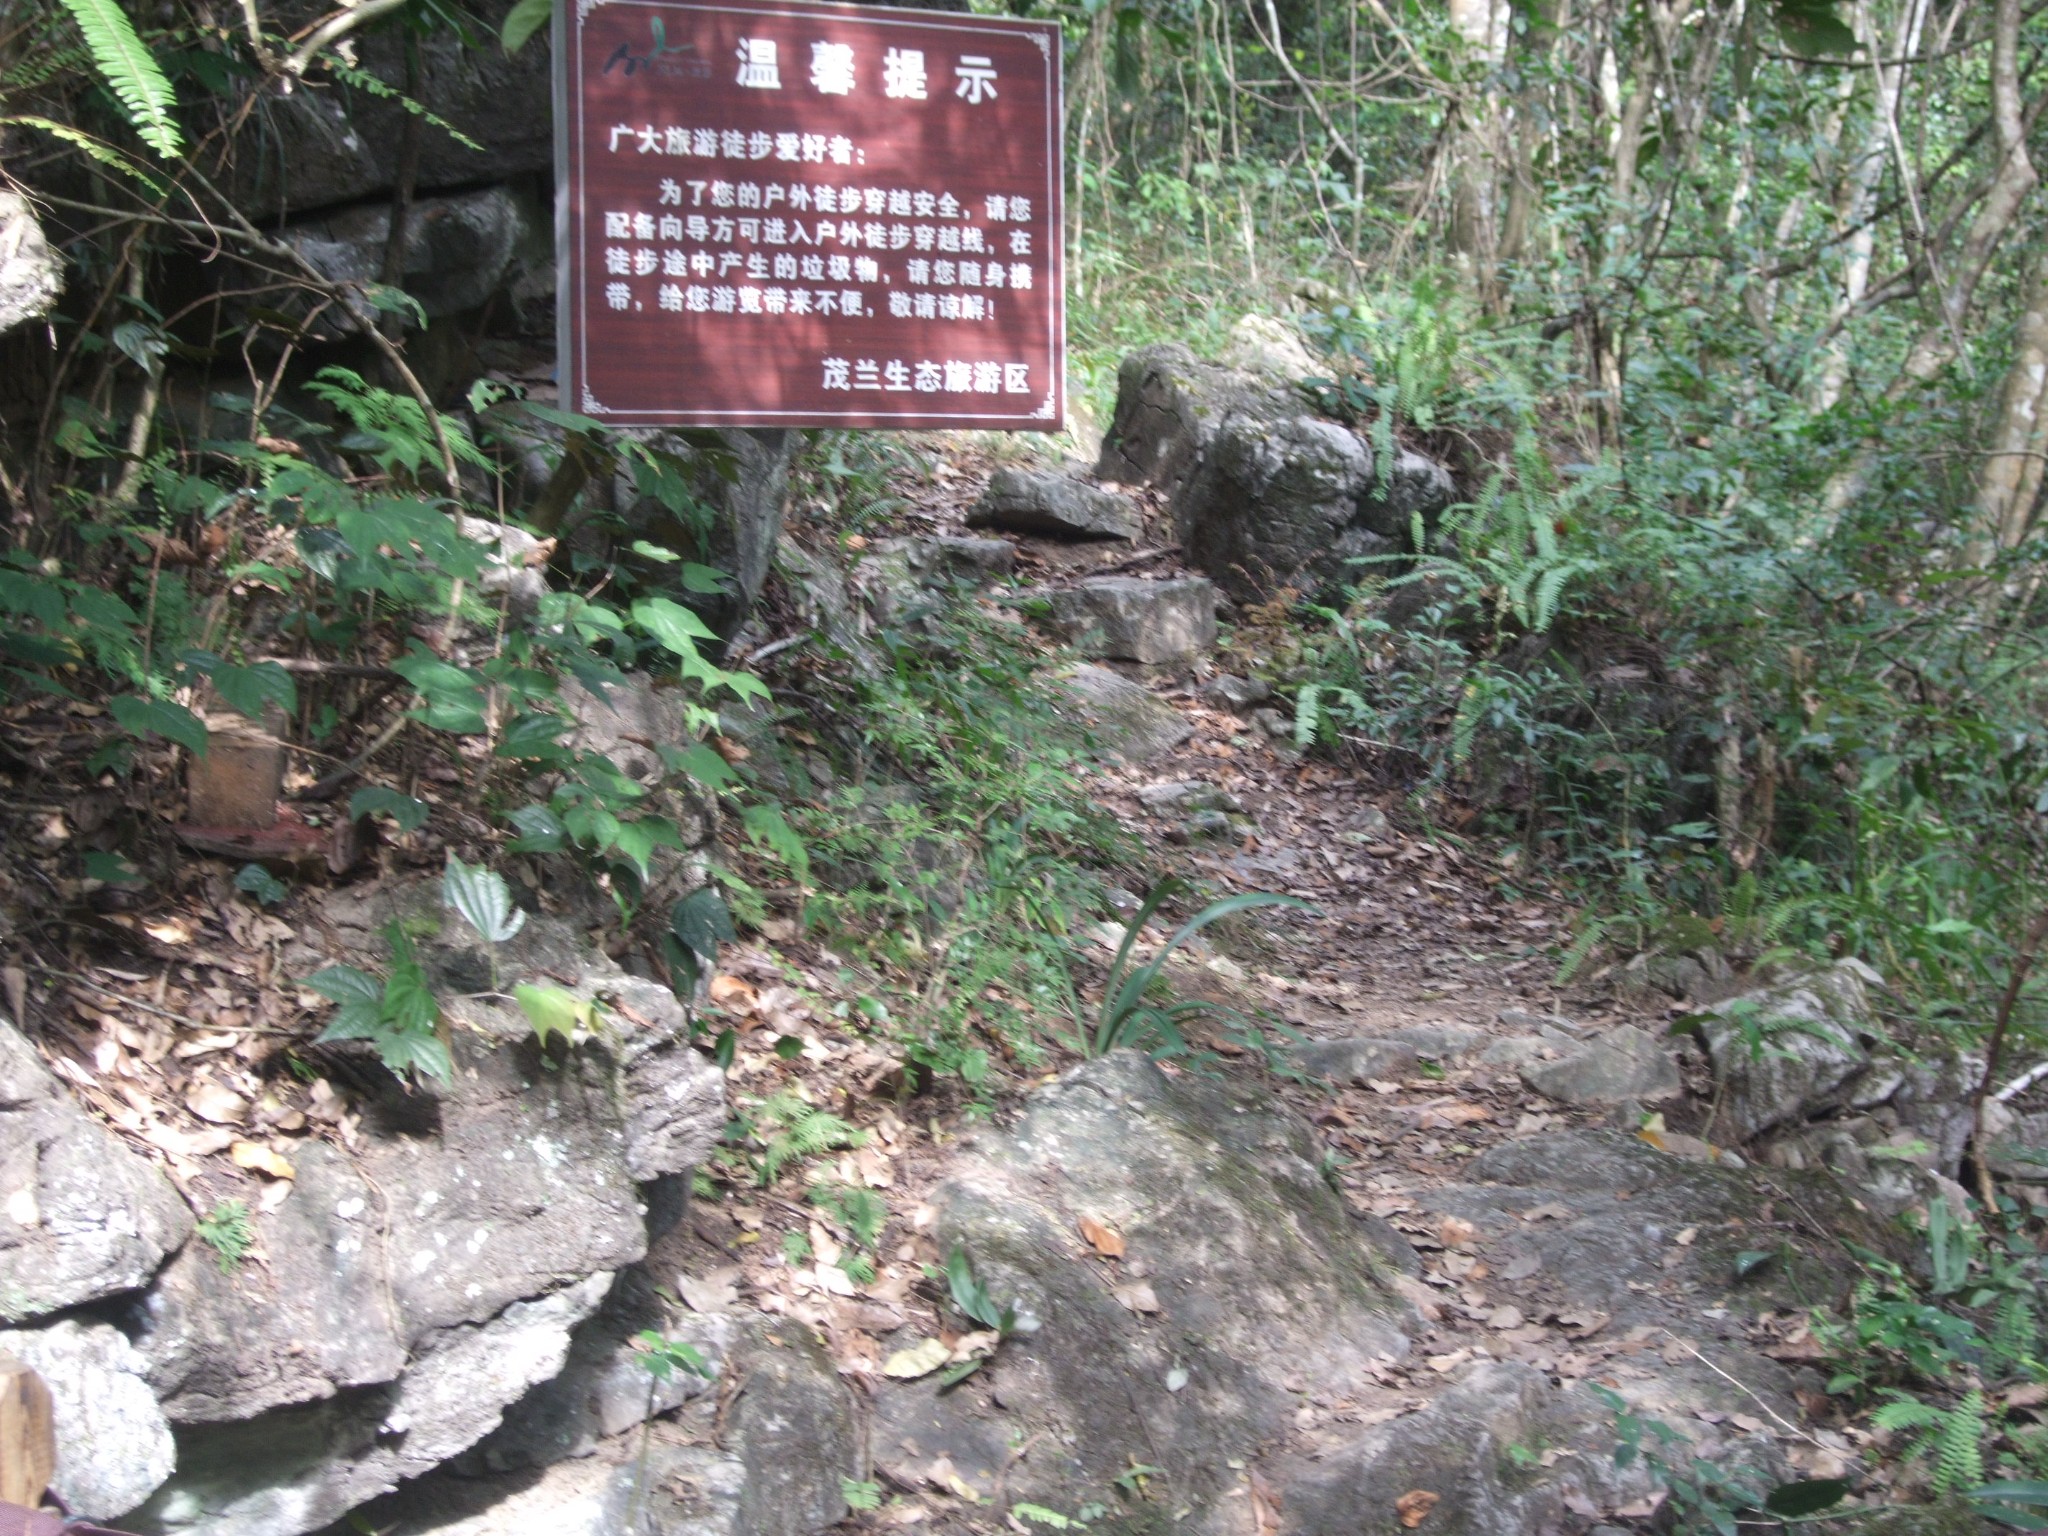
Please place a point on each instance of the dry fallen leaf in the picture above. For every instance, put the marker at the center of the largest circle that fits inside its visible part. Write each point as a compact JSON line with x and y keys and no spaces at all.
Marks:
{"x":1454,"y":1232}
{"x":733,"y":994}
{"x":253,"y":1154}
{"x":1106,"y":1241}
{"x":1505,"y":1318}
{"x":1448,"y":1117}
{"x":214,"y":1103}
{"x":1265,"y":1506}
{"x":1138,"y":1296}
{"x":1414,"y":1506}
{"x":713,"y":1292}
{"x":1550,"y":1211}
{"x":974,"y":1346}
{"x":1417,"y":1294}
{"x":921,"y":1359}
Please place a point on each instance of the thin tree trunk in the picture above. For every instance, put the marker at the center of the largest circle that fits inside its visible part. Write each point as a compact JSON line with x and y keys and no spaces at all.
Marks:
{"x":2010,"y":481}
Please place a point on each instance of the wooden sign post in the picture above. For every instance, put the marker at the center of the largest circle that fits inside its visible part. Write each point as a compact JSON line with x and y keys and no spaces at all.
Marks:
{"x":28,"y":1438}
{"x":808,"y":215}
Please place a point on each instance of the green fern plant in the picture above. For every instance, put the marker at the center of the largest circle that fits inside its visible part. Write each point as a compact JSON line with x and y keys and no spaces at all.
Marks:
{"x":131,"y":73}
{"x":1953,"y":1438}
{"x":791,"y":1130}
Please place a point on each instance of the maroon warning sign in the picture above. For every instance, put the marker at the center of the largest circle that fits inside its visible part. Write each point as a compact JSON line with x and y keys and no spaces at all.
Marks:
{"x":808,"y":215}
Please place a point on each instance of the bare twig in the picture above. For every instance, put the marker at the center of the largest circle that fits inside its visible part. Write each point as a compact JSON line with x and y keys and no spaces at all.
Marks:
{"x":2022,"y":963}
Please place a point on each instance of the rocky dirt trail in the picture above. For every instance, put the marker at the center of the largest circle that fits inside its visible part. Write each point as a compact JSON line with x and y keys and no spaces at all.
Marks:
{"x":1419,"y":1252}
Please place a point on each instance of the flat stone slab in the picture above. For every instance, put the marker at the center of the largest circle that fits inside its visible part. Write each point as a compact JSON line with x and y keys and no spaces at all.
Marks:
{"x":1048,"y":503}
{"x":1126,"y":618}
{"x":1622,"y":1065}
{"x":1123,"y":718}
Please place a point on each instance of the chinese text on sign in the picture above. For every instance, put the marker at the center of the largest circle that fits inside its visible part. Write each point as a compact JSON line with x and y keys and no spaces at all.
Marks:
{"x":803,"y":215}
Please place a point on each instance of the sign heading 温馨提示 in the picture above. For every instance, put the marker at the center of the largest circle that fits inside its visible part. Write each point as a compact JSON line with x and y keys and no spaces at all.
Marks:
{"x":808,"y":215}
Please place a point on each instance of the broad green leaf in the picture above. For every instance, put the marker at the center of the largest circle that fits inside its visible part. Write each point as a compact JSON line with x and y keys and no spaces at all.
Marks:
{"x":674,"y":626}
{"x":108,"y":866}
{"x":377,"y":800}
{"x":360,"y":995}
{"x":522,"y":21}
{"x":481,"y":896}
{"x":255,"y":880}
{"x":553,"y":1011}
{"x":701,"y":922}
{"x":173,"y":722}
{"x":252,"y":689}
{"x":704,"y":765}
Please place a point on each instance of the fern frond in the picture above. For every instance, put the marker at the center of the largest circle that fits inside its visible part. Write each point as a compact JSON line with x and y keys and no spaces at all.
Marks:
{"x":98,"y":149}
{"x":1959,"y":1451}
{"x":369,"y":84}
{"x":131,"y":72}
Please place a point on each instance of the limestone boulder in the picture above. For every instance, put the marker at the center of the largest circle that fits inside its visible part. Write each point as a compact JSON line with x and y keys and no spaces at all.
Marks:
{"x":1622,"y":1066}
{"x":1785,"y":1052}
{"x":297,"y":1469}
{"x":1265,"y":494}
{"x":459,"y":249}
{"x":31,"y":274}
{"x":1054,"y":505}
{"x":325,"y":147}
{"x":906,"y":578}
{"x":1271,"y":500}
{"x":113,"y":1445}
{"x":1127,"y":618}
{"x":314,"y":1317}
{"x":1271,"y":349}
{"x":81,"y":1216}
{"x":1121,"y":718}
{"x":1243,"y":1276}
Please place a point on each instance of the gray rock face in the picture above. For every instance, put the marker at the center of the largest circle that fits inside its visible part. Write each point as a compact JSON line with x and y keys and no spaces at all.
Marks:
{"x":747,"y":506}
{"x":1416,"y":486}
{"x":1270,"y":501}
{"x":414,"y":1292}
{"x":1356,"y":1061}
{"x":660,"y":1488}
{"x":1607,"y":1210}
{"x":770,"y":1464}
{"x":2019,"y":1147}
{"x":1126,"y":618}
{"x":31,"y":275}
{"x":1236,"y":694}
{"x":459,"y":250}
{"x":296,"y":1469}
{"x":113,"y":1446}
{"x":1460,"y":1448}
{"x":1122,"y":717}
{"x":511,"y":572}
{"x":1264,"y":493}
{"x":1169,"y":405}
{"x":323,"y":147}
{"x":314,"y":1318}
{"x":1786,"y":1051}
{"x":604,"y":1388}
{"x":1622,"y":1065}
{"x":905,"y":578}
{"x":1253,"y":1270}
{"x":80,"y":1215}
{"x":1046,"y":502}
{"x":1271,"y":349}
